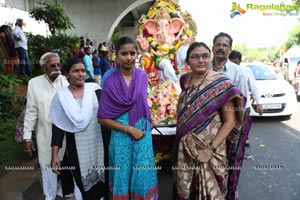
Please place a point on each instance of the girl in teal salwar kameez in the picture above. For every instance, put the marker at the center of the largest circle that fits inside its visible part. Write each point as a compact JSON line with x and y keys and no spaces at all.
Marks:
{"x":124,"y":109}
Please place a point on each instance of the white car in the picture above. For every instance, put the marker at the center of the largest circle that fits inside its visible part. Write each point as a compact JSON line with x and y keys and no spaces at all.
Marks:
{"x":278,"y":96}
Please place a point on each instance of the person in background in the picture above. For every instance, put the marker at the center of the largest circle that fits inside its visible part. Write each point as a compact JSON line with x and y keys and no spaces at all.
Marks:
{"x":112,"y":56}
{"x":89,"y":43}
{"x":80,"y":52}
{"x":8,"y":48}
{"x":236,"y":57}
{"x":296,"y":81}
{"x":88,"y":63}
{"x":96,"y":64}
{"x":20,"y":131}
{"x":81,"y":41}
{"x":104,"y":62}
{"x":181,"y":55}
{"x":222,"y":44}
{"x":124,"y":109}
{"x":104,"y":47}
{"x":20,"y":127}
{"x":209,"y":113}
{"x":40,"y":92}
{"x":22,"y":47}
{"x":74,"y":113}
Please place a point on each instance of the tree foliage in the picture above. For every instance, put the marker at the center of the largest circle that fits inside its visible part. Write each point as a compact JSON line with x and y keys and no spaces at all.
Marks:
{"x":116,"y":35}
{"x":257,"y":54}
{"x":10,"y":104}
{"x":63,"y":44}
{"x":294,"y":37}
{"x":53,"y":15}
{"x":58,"y":22}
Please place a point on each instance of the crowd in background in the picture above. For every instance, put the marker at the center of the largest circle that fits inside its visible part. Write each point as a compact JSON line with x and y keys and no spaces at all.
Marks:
{"x":95,"y":99}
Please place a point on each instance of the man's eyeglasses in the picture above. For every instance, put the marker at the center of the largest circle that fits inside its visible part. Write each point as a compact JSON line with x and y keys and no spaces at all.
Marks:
{"x":54,"y":65}
{"x":198,"y":56}
{"x":219,"y":45}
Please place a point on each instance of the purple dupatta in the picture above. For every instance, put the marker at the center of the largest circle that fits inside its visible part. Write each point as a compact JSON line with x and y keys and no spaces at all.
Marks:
{"x":117,"y":98}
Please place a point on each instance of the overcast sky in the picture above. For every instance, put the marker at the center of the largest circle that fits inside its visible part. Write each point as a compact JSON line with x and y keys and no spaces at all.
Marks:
{"x":213,"y":16}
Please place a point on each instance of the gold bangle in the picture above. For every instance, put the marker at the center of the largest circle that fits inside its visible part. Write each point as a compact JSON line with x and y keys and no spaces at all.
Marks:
{"x":125,"y":130}
{"x":212,"y":147}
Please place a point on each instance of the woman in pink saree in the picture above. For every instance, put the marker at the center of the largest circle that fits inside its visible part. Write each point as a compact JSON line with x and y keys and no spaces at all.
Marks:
{"x":210,"y":117}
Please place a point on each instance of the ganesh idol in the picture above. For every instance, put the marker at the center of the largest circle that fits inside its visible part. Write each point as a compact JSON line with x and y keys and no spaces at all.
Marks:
{"x":160,"y":34}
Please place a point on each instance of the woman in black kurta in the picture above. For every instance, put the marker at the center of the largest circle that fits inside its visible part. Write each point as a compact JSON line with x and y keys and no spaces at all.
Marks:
{"x":73,"y":113}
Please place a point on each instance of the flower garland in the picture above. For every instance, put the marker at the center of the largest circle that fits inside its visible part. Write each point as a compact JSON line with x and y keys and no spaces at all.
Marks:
{"x":162,"y":101}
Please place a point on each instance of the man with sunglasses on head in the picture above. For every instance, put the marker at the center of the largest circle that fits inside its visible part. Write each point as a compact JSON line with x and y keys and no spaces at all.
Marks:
{"x":40,"y":92}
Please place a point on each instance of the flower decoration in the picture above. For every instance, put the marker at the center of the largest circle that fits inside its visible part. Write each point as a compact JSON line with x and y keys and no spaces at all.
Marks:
{"x":163,"y":106}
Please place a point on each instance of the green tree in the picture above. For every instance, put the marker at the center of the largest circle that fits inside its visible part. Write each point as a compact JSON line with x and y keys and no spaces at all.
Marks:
{"x":53,"y":15}
{"x":116,"y":35}
{"x":63,"y":44}
{"x":294,"y":37}
{"x":257,"y":54}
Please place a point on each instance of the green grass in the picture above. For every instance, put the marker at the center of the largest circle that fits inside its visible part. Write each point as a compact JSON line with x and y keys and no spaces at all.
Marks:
{"x":10,"y":150}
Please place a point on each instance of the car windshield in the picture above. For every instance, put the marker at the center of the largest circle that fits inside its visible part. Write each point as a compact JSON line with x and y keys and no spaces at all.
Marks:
{"x":294,"y":61}
{"x":262,"y":72}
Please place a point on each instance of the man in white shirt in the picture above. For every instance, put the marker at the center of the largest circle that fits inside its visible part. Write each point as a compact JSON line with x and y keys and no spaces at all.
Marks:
{"x":21,"y":47}
{"x":222,"y":44}
{"x":236,"y":57}
{"x":40,"y":92}
{"x":181,"y":53}
{"x":221,"y":49}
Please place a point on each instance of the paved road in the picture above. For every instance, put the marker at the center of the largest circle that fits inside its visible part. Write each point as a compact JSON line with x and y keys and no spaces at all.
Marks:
{"x":272,"y":174}
{"x":274,"y":171}
{"x":275,"y":146}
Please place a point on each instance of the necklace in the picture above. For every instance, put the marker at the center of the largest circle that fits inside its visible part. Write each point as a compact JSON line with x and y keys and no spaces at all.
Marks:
{"x":188,"y":94}
{"x":127,"y":77}
{"x":77,"y":94}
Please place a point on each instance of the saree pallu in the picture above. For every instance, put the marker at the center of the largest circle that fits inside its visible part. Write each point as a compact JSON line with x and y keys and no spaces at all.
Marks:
{"x":8,"y":53}
{"x":199,"y":121}
{"x":235,"y":154}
